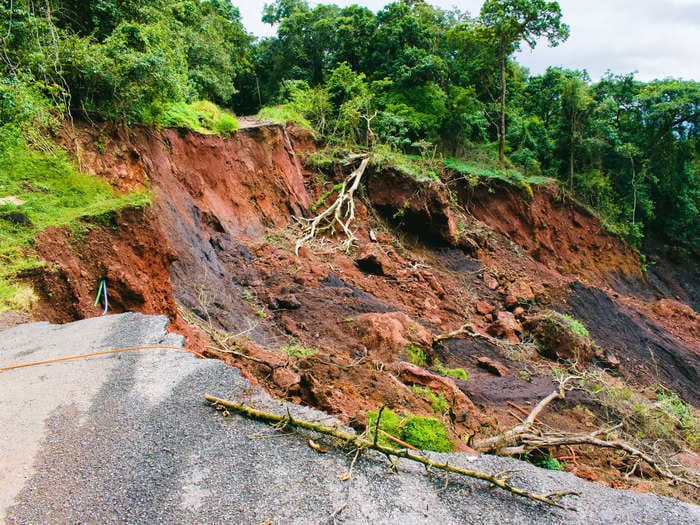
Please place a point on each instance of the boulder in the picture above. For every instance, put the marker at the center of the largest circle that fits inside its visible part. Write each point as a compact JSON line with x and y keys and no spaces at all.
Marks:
{"x":386,"y":335}
{"x":506,"y":326}
{"x":492,"y":366}
{"x":374,"y":261}
{"x":557,"y":339}
{"x":286,"y":379}
{"x":484,"y":308}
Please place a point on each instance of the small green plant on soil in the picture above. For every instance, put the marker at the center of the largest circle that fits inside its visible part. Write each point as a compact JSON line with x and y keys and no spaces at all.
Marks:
{"x":296,"y":350}
{"x":322,"y":199}
{"x":415,"y":354}
{"x":659,"y":415}
{"x":576,"y":326}
{"x":426,"y":433}
{"x":437,"y":401}
{"x":456,"y":373}
{"x":261,"y":314}
{"x":549,"y":463}
{"x":247,"y":296}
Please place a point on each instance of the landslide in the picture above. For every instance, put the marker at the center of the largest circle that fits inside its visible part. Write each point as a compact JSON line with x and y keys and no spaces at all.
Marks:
{"x":338,"y":331}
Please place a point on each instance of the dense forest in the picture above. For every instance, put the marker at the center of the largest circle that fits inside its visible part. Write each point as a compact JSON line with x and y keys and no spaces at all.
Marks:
{"x":411,"y":79}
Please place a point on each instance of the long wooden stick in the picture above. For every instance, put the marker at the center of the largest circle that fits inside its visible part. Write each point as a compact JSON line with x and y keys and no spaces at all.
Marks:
{"x":360,"y":442}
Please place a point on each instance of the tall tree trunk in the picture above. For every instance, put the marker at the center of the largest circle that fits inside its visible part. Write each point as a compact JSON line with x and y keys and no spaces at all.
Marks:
{"x":571,"y":153}
{"x":634,"y":191}
{"x":502,"y":130}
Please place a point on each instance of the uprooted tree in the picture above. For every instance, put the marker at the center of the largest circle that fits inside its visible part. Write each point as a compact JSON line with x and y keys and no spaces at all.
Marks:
{"x":341,"y":212}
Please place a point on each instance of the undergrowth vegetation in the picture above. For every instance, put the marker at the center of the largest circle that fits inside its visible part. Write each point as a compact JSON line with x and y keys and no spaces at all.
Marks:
{"x":653,"y":415}
{"x":439,"y":404}
{"x":40,"y":186}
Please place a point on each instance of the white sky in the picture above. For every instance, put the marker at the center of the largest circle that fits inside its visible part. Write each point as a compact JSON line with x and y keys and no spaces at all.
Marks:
{"x":655,"y":38}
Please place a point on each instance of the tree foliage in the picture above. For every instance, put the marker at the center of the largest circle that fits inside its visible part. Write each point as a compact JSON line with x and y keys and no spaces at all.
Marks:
{"x":411,"y":77}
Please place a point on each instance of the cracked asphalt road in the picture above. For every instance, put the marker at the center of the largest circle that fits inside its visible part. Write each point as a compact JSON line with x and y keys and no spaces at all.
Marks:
{"x":128,"y":438}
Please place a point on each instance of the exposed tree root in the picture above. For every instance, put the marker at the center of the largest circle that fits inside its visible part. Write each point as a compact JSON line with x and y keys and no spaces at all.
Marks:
{"x":341,"y":212}
{"x":359,"y":442}
{"x":525,"y":437}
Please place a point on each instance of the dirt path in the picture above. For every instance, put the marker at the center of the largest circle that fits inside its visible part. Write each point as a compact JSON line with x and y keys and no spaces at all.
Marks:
{"x":128,"y":438}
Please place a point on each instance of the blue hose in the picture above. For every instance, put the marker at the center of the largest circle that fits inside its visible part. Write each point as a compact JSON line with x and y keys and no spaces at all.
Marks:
{"x":104,"y":292}
{"x":102,"y":289}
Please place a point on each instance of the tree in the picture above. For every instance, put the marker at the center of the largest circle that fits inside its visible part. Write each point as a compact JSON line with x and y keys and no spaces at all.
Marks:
{"x":576,"y":102}
{"x":511,"y":22}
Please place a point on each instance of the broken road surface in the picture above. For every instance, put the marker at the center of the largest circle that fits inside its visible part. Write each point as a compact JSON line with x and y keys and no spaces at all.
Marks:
{"x":128,"y":437}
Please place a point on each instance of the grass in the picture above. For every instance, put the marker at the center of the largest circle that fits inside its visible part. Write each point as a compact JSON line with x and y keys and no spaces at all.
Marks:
{"x":284,"y":113}
{"x":576,"y":326}
{"x":425,"y":433}
{"x":415,"y":354}
{"x":549,"y":463}
{"x":296,"y":350}
{"x":485,"y":171}
{"x":658,"y":415}
{"x":439,"y":404}
{"x":456,"y":373}
{"x":202,"y":116}
{"x":55,"y":193}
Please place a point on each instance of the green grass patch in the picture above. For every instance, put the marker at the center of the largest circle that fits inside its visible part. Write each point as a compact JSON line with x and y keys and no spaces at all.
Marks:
{"x":284,"y":113}
{"x":439,"y":404}
{"x":426,"y":433}
{"x":456,"y":373}
{"x":297,"y":351}
{"x":202,"y":116}
{"x":384,"y":157}
{"x":508,"y":175}
{"x":415,"y":354}
{"x":549,"y":463}
{"x":576,"y":326}
{"x":54,"y":193}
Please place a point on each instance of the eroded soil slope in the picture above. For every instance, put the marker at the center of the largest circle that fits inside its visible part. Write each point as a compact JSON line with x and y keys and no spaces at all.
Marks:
{"x":346,"y":332}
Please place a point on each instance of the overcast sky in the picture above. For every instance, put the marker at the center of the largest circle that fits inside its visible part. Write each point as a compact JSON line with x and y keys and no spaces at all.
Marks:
{"x":655,"y":38}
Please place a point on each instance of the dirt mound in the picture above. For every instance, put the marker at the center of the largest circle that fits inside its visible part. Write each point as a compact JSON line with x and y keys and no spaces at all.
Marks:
{"x":125,"y":248}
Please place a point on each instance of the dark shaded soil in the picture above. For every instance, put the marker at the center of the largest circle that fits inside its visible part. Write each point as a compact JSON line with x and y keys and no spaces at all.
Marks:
{"x":647,"y":353}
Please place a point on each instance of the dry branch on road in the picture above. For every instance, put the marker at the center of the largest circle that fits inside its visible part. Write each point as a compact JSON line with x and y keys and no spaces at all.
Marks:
{"x":360,"y":442}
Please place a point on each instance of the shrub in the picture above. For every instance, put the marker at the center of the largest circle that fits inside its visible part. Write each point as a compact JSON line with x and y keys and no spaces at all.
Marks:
{"x":425,"y":433}
{"x":202,"y":116}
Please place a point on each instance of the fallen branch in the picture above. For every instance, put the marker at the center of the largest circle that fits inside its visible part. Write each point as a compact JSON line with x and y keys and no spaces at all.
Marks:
{"x":468,"y":330}
{"x":512,"y":438}
{"x":523,"y":438}
{"x":359,"y":442}
{"x":341,"y":212}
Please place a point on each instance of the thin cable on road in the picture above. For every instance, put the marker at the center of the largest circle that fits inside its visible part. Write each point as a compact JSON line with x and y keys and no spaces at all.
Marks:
{"x":82,"y":356}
